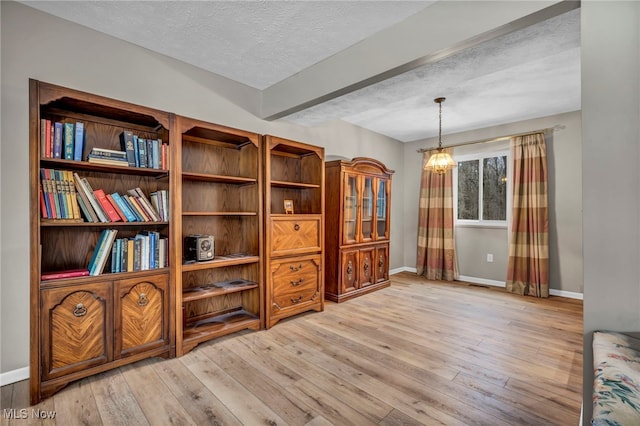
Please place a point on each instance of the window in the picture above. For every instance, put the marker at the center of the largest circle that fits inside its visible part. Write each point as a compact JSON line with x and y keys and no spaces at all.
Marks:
{"x":481,"y":189}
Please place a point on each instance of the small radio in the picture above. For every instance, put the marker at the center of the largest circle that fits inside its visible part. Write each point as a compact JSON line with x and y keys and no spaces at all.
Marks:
{"x":198,"y":247}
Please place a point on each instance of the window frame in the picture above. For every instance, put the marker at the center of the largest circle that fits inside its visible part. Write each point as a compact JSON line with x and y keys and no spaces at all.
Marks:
{"x":481,"y":223}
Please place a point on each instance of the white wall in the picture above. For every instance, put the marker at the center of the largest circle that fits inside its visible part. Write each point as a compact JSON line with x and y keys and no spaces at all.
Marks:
{"x":611,"y":183}
{"x":40,"y":46}
{"x":565,"y":213}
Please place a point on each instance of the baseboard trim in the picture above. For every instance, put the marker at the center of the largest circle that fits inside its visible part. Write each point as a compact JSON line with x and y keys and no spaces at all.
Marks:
{"x":567,"y":294}
{"x":483,"y":281}
{"x":552,"y":291}
{"x":402,"y":269}
{"x":14,"y":376}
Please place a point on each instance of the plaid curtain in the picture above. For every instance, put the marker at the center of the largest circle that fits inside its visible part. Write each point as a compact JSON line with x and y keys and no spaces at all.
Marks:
{"x":528,"y":271}
{"x":436,"y":246}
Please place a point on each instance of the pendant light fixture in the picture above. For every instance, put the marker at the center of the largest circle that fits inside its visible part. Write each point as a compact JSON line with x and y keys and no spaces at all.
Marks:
{"x":441,"y":161}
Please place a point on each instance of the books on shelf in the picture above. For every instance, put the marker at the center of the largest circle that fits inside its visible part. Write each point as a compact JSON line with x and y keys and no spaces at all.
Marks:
{"x":101,"y":252}
{"x":66,"y":140}
{"x":61,"y":140}
{"x":59,"y":197}
{"x":147,"y":250}
{"x":63,"y":194}
{"x":108,"y":156}
{"x":144,"y":152}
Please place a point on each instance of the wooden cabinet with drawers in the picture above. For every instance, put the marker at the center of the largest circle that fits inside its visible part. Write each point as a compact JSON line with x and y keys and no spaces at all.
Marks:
{"x":294,"y":176}
{"x":357,"y":227}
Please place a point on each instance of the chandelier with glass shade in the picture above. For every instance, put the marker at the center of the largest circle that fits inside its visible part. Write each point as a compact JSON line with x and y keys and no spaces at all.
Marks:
{"x":440,"y":162}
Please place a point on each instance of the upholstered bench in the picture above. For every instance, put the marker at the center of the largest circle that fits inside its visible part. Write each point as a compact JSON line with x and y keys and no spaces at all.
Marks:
{"x":616,"y":386}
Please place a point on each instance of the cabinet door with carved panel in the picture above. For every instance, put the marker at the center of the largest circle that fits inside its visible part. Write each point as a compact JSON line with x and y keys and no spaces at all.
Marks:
{"x":77,"y":327}
{"x":365,"y":259}
{"x":381,"y":263}
{"x":349,"y":270}
{"x":141,"y":314}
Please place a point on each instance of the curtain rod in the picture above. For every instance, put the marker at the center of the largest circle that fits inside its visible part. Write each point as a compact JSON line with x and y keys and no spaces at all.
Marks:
{"x":500,"y":138}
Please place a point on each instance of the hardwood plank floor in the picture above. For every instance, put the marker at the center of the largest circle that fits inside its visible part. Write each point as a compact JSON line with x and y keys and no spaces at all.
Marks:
{"x":418,"y":352}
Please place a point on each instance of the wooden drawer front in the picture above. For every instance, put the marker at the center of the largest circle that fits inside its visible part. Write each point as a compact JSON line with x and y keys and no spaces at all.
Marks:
{"x":295,"y":236}
{"x":77,"y":328}
{"x":141,"y":314}
{"x":295,"y":283}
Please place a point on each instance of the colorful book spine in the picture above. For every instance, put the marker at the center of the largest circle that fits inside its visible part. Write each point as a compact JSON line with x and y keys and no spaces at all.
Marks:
{"x":45,"y":194}
{"x":68,"y":139}
{"x":124,"y":207}
{"x":88,"y":192}
{"x":96,"y":250}
{"x":57,"y":181}
{"x":103,"y":252}
{"x":57,"y":140}
{"x":116,"y":207}
{"x":59,"y":275}
{"x":126,"y":142}
{"x":142,"y":149}
{"x":106,"y":205}
{"x":78,"y":143}
{"x":72,"y":194}
{"x":130,"y":254}
{"x":126,"y":199}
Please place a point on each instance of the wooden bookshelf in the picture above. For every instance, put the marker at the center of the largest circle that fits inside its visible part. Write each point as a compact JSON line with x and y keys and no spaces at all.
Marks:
{"x":85,"y":325}
{"x":217,"y":191}
{"x":294,"y":275}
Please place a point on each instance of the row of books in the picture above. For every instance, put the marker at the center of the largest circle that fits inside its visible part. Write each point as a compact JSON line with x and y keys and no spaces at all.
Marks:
{"x":65,"y":195}
{"x":58,"y":198}
{"x":144,"y":153}
{"x":145,"y":251}
{"x":61,"y":140}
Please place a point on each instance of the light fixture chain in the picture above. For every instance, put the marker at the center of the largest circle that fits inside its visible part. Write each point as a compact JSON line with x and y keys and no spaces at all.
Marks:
{"x":440,"y":126}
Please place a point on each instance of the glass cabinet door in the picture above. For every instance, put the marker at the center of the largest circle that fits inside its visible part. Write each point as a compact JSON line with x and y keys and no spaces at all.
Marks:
{"x":350,"y":208}
{"x":367,"y":209}
{"x":382,"y":224}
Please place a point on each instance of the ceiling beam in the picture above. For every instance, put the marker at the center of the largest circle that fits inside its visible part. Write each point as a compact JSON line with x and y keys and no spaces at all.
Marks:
{"x":424,"y":38}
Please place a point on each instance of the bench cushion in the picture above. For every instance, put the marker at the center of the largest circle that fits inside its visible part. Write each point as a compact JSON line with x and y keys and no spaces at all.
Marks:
{"x":616,"y":388}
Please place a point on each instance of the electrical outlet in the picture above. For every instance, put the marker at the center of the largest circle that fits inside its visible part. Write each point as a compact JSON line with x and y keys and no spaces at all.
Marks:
{"x":489,"y":257}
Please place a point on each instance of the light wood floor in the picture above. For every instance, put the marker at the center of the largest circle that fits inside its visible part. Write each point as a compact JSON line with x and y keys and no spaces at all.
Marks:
{"x":417,"y":352}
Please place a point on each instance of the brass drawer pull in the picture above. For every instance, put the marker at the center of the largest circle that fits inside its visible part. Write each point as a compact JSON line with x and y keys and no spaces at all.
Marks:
{"x":80,"y":310}
{"x":143,"y":300}
{"x":295,"y":268}
{"x":296,"y":300}
{"x":296,"y":227}
{"x":297,"y":283}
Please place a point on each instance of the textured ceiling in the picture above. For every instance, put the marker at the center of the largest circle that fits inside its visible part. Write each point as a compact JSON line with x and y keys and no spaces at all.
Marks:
{"x":529,"y":73}
{"x":257,"y":43}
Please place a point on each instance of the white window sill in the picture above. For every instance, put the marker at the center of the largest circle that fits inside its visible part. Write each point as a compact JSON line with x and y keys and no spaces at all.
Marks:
{"x":491,"y":225}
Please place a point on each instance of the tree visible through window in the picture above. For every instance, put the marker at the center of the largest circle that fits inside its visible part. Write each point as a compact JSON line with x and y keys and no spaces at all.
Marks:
{"x":482,"y":188}
{"x":468,"y":190}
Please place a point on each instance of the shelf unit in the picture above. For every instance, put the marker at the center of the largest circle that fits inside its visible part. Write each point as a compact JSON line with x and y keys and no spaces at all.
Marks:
{"x":294,"y":253}
{"x":358,"y":224}
{"x":217,"y":181}
{"x":84,"y":325}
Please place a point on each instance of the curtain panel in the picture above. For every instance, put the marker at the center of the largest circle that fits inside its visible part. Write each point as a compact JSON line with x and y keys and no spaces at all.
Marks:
{"x":436,"y":258}
{"x":528,"y":267}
